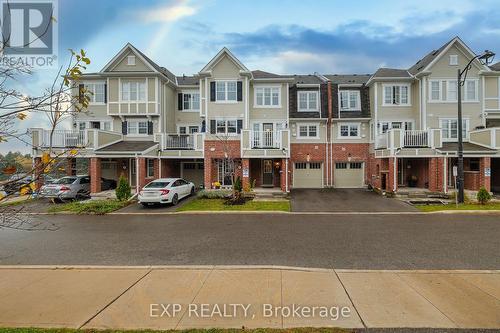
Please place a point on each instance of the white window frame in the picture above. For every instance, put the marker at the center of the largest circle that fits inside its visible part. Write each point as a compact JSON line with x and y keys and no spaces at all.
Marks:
{"x":308,"y":100}
{"x":152,"y":174}
{"x":446,"y":83}
{"x":339,"y":133}
{"x":91,"y":88}
{"x":225,"y":91}
{"x":393,"y":85}
{"x":440,"y":85}
{"x":451,"y":83}
{"x":389,"y":124}
{"x":138,"y":91}
{"x":137,"y":126}
{"x":453,"y":60}
{"x":188,"y":128}
{"x":131,"y":60}
{"x":349,"y":92}
{"x":299,"y":136}
{"x":87,"y":122}
{"x":256,"y":89}
{"x":476,"y":91}
{"x":449,"y":138}
{"x":191,"y":93}
{"x":226,"y":120}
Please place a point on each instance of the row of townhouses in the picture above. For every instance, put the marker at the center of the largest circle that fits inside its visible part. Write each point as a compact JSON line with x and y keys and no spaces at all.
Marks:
{"x":394,"y":129}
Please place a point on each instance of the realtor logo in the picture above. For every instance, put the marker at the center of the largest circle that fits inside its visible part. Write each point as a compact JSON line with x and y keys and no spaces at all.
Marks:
{"x":29,"y":32}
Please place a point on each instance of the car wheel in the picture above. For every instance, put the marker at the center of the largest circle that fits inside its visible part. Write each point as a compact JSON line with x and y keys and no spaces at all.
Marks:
{"x":192,"y":191}
{"x":175,"y":199}
{"x":80,"y":196}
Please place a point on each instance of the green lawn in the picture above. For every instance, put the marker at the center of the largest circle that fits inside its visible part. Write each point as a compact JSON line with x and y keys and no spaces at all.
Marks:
{"x":218,"y":205}
{"x":212,"y":330}
{"x":470,"y":206}
{"x":88,"y":207}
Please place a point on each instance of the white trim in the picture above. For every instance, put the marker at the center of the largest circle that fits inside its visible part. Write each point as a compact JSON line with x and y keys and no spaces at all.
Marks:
{"x":483,"y":104}
{"x":247,"y":103}
{"x":307,"y":99}
{"x":467,"y":129}
{"x":376,"y":109}
{"x":131,"y":60}
{"x":349,"y":109}
{"x":225,"y":100}
{"x":446,"y":83}
{"x":219,"y":56}
{"x":393,"y":84}
{"x":119,"y":54}
{"x":190,"y":92}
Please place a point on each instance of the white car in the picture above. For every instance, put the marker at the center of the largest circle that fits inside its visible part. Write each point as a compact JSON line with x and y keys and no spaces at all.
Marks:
{"x":166,"y":190}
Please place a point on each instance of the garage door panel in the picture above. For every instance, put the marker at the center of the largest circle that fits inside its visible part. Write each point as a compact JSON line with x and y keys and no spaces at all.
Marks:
{"x":193,"y":172}
{"x":308,"y":175}
{"x":349,"y":175}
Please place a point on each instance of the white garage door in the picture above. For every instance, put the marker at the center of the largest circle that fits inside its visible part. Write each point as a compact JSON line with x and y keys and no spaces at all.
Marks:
{"x":308,"y":175}
{"x":349,"y":174}
{"x":193,"y":172}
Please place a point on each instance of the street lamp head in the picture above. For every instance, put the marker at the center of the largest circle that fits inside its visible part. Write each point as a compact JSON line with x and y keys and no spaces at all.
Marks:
{"x":487,"y":57}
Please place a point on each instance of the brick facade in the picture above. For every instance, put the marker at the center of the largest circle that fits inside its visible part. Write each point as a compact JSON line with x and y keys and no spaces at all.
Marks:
{"x":307,"y":152}
{"x":436,"y":174}
{"x":95,"y":175}
{"x":352,"y":152}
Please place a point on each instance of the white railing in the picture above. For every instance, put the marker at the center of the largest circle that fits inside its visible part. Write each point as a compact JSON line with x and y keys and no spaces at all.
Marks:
{"x":265,"y":139}
{"x":381,"y":141}
{"x":64,"y":138}
{"x":179,"y":141}
{"x":416,"y":138}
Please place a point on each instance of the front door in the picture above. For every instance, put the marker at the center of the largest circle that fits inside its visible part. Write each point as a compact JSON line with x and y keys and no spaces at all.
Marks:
{"x":267,"y":129}
{"x":267,"y":173}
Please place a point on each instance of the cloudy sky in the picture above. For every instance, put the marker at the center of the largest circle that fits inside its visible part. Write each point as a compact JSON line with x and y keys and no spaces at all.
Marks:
{"x":281,"y":36}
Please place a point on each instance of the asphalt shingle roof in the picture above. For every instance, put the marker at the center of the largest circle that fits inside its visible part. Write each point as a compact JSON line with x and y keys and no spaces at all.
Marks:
{"x":392,"y":72}
{"x":307,"y":79}
{"x":348,"y":78}
{"x":128,"y":146}
{"x":160,"y":69}
{"x":422,"y":63}
{"x":495,"y":67}
{"x":188,"y":80}
{"x":468,"y":147}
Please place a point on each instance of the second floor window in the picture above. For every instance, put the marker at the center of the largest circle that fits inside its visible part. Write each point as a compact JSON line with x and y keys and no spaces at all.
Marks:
{"x":397,"y":94}
{"x":133,"y":91}
{"x":446,"y":91}
{"x":350,"y":100}
{"x":225,"y":91}
{"x":267,"y":96}
{"x":308,"y":131}
{"x":308,"y":100}
{"x":96,"y":92}
{"x":226,"y":126}
{"x":191,"y":101}
{"x":137,"y":127}
{"x":450,"y":128}
{"x":349,"y":130}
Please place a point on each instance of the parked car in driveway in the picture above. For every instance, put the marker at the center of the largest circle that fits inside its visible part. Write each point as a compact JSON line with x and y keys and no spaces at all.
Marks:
{"x":166,"y":190}
{"x":67,"y":188}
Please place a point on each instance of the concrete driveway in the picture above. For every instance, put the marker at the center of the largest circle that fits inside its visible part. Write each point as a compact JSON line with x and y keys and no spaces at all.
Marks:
{"x":344,"y":200}
{"x":138,"y":208}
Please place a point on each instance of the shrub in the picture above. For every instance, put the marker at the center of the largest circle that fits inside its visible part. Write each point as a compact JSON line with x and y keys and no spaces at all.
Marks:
{"x":483,"y":196}
{"x":123,"y":190}
{"x":214,"y":194}
{"x":237,"y":185}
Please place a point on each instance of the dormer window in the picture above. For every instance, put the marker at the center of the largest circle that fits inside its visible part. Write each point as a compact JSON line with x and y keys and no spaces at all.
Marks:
{"x":131,"y":60}
{"x":453,"y":60}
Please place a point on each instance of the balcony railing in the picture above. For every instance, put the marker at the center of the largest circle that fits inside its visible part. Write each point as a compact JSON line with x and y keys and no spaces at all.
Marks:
{"x":486,"y":137}
{"x":179,"y":141}
{"x":64,"y":138}
{"x":265,"y":139}
{"x":398,"y":138}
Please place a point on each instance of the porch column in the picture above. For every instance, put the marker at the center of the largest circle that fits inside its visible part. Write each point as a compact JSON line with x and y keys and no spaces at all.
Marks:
{"x":208,"y":173}
{"x":156,"y":168}
{"x":284,"y":175}
{"x":38,"y":168}
{"x":95,"y":175}
{"x":141,"y":172}
{"x":392,"y":182}
{"x":436,"y":174}
{"x":485,"y":173}
{"x":69,"y":167}
{"x":245,"y":170}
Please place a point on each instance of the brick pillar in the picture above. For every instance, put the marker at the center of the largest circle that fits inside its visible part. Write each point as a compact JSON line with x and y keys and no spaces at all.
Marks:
{"x":245,"y":168}
{"x":485,"y":163}
{"x":436,"y":174}
{"x":69,"y":167}
{"x":38,"y":168}
{"x":141,"y":171}
{"x":95,"y":175}
{"x":392,"y":182}
{"x":156,"y":168}
{"x":208,"y":173}
{"x":283,"y":175}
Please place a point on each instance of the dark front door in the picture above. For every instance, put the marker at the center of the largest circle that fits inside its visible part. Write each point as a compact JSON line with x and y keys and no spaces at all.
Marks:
{"x":267,"y":172}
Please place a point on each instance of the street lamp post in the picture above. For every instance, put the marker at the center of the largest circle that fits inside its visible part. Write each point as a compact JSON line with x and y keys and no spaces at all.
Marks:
{"x":485,"y":58}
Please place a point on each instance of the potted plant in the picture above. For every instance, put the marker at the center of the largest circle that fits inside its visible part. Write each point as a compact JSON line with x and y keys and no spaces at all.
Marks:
{"x":216,"y":185}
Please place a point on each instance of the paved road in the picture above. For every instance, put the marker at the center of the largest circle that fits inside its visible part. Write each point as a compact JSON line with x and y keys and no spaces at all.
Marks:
{"x":345,"y":200}
{"x":339,"y":241}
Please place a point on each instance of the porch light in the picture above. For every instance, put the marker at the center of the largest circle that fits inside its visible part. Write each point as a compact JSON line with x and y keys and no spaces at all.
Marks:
{"x":485,"y":58}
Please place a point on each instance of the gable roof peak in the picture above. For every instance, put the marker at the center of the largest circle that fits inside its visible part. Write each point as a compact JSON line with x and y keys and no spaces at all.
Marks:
{"x":219,"y":55}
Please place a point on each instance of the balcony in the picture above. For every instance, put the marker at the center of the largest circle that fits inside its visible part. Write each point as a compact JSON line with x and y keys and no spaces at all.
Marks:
{"x":63,"y":139}
{"x":181,"y":145}
{"x":486,"y":137}
{"x":179,"y":141}
{"x":398,"y":138}
{"x":274,"y":144}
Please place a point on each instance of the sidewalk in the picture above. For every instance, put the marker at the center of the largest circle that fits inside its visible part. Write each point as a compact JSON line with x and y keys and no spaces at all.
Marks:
{"x":232,"y":297}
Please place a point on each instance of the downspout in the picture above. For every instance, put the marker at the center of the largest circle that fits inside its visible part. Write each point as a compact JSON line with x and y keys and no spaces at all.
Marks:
{"x":159,"y":164}
{"x":136,"y":174}
{"x":286,"y":175}
{"x":329,"y":157}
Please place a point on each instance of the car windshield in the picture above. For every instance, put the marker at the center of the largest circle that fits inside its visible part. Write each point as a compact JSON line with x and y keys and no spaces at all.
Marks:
{"x":65,"y":180}
{"x":157,"y":185}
